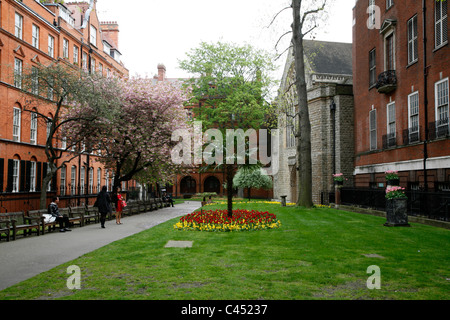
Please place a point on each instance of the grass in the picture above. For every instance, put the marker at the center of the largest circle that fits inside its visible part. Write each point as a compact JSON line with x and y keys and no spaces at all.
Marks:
{"x":316,"y":254}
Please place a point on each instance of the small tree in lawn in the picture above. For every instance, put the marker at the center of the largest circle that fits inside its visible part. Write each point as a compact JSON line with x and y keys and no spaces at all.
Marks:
{"x":230,"y":85}
{"x":136,"y":141}
{"x":252,"y":177}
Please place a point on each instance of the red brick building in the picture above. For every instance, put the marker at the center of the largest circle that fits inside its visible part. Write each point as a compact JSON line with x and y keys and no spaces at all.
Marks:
{"x":401,"y":69}
{"x":33,"y":33}
{"x":186,"y":185}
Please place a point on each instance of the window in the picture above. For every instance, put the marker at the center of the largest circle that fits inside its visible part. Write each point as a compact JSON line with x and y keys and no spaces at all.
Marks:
{"x":441,"y":26}
{"x":391,"y":128}
{"x":389,"y":3}
{"x":93,"y":35}
{"x":18,"y":26}
{"x":442,"y":109}
{"x":15,"y":175}
{"x":75,"y":54}
{"x":63,"y":181}
{"x":33,"y":128}
{"x":372,"y":68}
{"x":82,"y":183}
{"x":16,"y":124}
{"x":412,"y":40}
{"x":91,"y":180}
{"x":51,"y":46}
{"x":49,"y":127}
{"x":100,"y":68}
{"x":84,"y":61}
{"x":373,"y":129}
{"x":18,"y":73}
{"x":290,"y":128}
{"x":107,"y":179}
{"x":32,"y":176}
{"x":99,"y":179}
{"x":35,"y":37}
{"x":49,"y":186}
{"x":372,"y":13}
{"x":66,"y":48}
{"x":93,"y":65}
{"x":389,"y":52}
{"x":413,"y":113}
{"x":34,"y":80}
{"x":73,"y":183}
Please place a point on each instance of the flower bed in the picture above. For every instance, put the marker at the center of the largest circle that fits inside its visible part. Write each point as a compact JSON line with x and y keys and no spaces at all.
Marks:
{"x":218,"y":220}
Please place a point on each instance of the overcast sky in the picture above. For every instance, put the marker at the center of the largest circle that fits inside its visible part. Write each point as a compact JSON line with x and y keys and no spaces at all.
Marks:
{"x":161,"y":31}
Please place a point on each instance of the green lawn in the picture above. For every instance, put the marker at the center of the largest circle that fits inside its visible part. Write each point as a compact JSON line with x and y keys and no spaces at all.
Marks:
{"x":316,"y":254}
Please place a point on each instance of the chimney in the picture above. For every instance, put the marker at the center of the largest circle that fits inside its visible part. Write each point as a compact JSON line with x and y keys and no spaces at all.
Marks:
{"x":161,"y":72}
{"x":110,"y":31}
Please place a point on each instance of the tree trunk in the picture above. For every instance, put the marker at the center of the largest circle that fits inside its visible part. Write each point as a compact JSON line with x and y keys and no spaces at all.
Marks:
{"x":230,"y":189}
{"x":304,"y":136}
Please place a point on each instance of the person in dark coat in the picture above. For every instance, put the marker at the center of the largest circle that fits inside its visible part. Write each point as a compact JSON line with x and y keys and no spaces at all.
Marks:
{"x":63,"y":220}
{"x":103,"y":204}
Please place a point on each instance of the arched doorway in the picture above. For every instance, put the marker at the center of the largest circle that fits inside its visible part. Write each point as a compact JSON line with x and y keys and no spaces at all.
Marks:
{"x":211,"y":184}
{"x":188,"y":185}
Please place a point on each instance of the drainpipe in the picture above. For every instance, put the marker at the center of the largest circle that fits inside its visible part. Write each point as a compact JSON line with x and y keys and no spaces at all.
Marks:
{"x":425,"y":82}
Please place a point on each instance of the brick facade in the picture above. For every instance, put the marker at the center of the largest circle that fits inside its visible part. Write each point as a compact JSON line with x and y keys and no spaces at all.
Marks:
{"x":36,"y":33}
{"x":399,"y":139}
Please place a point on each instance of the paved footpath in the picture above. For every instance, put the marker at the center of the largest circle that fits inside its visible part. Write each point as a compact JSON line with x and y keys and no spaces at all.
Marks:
{"x":26,"y":257}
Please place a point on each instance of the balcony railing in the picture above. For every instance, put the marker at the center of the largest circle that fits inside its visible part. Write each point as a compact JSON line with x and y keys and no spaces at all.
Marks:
{"x":387,"y":81}
{"x":411,"y":135}
{"x":389,"y":140}
{"x":439,"y":129}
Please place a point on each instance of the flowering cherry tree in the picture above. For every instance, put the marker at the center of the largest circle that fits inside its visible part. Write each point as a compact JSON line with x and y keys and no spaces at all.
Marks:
{"x":134,"y":138}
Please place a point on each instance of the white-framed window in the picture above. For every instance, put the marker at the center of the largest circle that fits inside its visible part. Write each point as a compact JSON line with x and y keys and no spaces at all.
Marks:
{"x":93,"y":63}
{"x":49,"y":186}
{"x":15,"y":177}
{"x":35,"y":80}
{"x":372,"y":13}
{"x":391,"y":124}
{"x":100,"y":68}
{"x":18,"y":30}
{"x":17,"y":114}
{"x":82,"y":177}
{"x":73,"y":181}
{"x":66,"y":48}
{"x":18,"y":73}
{"x":441,"y":23}
{"x":413,"y":116}
{"x":35,"y":36}
{"x":51,"y":46}
{"x":442,"y":107}
{"x":49,"y":127}
{"x":93,"y":35}
{"x":84,"y":61}
{"x":33,"y":176}
{"x":75,"y":54}
{"x":413,"y":51}
{"x":389,"y":3}
{"x":107,"y":179}
{"x":373,"y":129}
{"x":91,"y":180}
{"x":33,"y":128}
{"x":63,"y":173}
{"x":99,"y":179}
{"x":372,"y":67}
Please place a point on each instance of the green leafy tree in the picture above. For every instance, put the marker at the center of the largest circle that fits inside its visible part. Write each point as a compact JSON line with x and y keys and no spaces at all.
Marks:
{"x":251,"y":177}
{"x":230,"y":85}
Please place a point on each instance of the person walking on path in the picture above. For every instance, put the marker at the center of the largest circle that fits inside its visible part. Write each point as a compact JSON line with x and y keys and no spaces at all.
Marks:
{"x":103,"y":204}
{"x":54,"y":214}
{"x":120,"y":204}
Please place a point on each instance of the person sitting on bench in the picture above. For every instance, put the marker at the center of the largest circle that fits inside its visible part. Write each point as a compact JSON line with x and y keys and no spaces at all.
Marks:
{"x":63,"y":220}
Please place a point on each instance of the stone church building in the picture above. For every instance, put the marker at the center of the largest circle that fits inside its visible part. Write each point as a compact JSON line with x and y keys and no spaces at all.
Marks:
{"x":328,"y":68}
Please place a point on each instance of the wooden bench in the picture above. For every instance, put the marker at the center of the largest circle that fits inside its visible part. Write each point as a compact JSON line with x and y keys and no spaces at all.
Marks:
{"x":20,"y":222}
{"x":90,"y":215}
{"x":76,"y":215}
{"x":5,"y":228}
{"x":39,"y":215}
